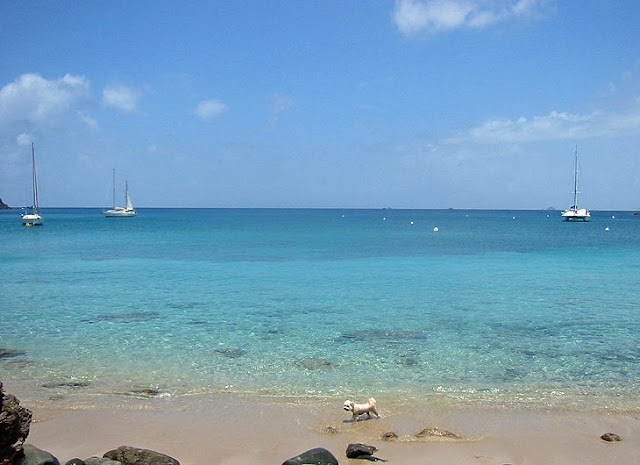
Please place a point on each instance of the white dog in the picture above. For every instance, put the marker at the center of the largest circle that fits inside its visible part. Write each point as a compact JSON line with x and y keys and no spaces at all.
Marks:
{"x":361,"y":409}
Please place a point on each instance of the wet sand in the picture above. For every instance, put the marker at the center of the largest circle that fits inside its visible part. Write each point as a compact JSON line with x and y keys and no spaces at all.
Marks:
{"x":232,"y":429}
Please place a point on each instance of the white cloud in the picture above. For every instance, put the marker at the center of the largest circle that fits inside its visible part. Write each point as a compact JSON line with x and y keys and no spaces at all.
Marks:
{"x":88,"y":120}
{"x":554,"y":126}
{"x":281,"y":103}
{"x":24,"y":139}
{"x":35,"y":99}
{"x":415,"y":16}
{"x":120,"y":97}
{"x":209,"y":109}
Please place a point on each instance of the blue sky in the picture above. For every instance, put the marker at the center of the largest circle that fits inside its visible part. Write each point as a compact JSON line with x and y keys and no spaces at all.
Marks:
{"x":363,"y":103}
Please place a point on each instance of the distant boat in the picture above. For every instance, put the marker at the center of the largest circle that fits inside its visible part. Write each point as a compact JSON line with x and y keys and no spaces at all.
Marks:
{"x":32,"y":217}
{"x":575,"y":213}
{"x":120,"y":212}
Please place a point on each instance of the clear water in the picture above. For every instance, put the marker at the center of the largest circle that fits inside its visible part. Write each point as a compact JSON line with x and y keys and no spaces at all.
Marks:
{"x":495,"y":307}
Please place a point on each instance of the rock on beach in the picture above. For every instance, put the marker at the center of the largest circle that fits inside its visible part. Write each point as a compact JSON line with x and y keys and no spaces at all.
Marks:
{"x":15,"y":422}
{"x":127,"y":455}
{"x":317,"y":456}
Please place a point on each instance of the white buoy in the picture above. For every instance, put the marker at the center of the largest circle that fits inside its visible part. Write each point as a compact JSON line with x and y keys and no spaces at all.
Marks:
{"x":436,"y":229}
{"x":384,"y":219}
{"x":613,"y":216}
{"x":607,"y":228}
{"x":412,"y":222}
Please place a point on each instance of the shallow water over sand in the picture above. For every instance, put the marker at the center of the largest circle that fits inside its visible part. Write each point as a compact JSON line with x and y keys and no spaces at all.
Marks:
{"x":496,"y":307}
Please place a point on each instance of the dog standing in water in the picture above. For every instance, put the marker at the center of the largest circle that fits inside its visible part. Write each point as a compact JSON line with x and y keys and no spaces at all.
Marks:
{"x":360,"y":409}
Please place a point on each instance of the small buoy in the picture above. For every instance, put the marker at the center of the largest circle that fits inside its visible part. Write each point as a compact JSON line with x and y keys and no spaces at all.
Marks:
{"x":613,"y":217}
{"x":513,"y":217}
{"x":384,"y":219}
{"x":547,"y":216}
{"x":343,"y":216}
{"x":607,"y":228}
{"x":412,"y":222}
{"x":436,"y":229}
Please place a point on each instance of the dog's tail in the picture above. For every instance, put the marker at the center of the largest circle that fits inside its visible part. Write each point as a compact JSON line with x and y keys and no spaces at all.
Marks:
{"x":372,"y":401}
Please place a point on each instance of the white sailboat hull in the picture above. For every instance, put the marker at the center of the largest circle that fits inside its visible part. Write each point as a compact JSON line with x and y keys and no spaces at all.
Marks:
{"x":31,"y":219}
{"x":580,"y":214}
{"x":119,"y":213}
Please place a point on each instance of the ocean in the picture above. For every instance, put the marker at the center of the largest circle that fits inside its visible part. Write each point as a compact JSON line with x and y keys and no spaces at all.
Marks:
{"x":492,"y":308}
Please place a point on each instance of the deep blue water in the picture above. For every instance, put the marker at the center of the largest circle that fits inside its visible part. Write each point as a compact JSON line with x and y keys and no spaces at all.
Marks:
{"x":496,"y":306}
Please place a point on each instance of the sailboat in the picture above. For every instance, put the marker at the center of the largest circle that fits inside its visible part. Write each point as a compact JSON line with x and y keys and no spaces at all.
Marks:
{"x":120,"y":212}
{"x":33,"y":217}
{"x":574,"y":213}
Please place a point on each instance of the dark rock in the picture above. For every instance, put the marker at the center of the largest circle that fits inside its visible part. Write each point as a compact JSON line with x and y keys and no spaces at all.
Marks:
{"x":357,"y":449}
{"x":610,"y":437}
{"x":317,"y":456}
{"x":75,"y":462}
{"x":134,"y":456}
{"x":4,"y":206}
{"x":231,"y":352}
{"x":35,"y":456}
{"x":6,"y":353}
{"x":15,"y":422}
{"x":389,"y":436}
{"x":437,"y":432}
{"x":311,"y":363}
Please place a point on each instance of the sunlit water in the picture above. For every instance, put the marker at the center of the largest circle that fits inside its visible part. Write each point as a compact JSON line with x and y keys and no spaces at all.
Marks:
{"x":496,"y":307}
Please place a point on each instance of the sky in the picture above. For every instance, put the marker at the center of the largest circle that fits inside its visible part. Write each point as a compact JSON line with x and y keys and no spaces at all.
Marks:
{"x":321,"y":103}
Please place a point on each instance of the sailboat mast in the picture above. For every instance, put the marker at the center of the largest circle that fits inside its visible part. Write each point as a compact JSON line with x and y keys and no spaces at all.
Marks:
{"x":575,"y":182}
{"x":35,"y":181}
{"x":113,"y":188}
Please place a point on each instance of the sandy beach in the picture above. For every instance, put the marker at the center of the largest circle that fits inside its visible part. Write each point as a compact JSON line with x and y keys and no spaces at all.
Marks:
{"x":232,"y":429}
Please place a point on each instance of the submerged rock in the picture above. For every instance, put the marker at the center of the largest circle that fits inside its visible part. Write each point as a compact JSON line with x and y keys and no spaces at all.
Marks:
{"x":231,"y":352}
{"x":6,"y":353}
{"x":389,"y":436}
{"x":127,"y":455}
{"x":132,"y":317}
{"x":317,"y":456}
{"x":146,"y":393}
{"x":311,"y":363}
{"x":71,"y":384}
{"x":610,"y":437}
{"x":15,"y":422}
{"x":384,"y":335}
{"x":437,"y":432}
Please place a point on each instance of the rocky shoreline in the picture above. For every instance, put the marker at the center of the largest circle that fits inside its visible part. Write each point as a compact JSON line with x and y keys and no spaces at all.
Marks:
{"x":229,"y":431}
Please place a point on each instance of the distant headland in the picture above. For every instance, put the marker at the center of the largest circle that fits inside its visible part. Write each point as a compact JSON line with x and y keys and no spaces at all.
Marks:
{"x":4,"y":206}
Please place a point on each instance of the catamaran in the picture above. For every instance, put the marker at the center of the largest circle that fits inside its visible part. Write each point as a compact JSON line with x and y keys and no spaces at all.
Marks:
{"x":32,"y":217}
{"x":120,"y":212}
{"x":574,"y":213}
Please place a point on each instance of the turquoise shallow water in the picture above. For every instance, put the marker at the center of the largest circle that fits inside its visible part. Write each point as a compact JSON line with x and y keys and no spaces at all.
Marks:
{"x":495,"y":307}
